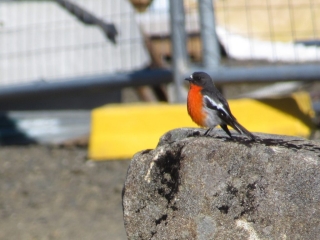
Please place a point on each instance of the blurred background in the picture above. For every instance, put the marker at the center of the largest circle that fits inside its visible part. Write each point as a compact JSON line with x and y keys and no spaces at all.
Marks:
{"x":88,"y":80}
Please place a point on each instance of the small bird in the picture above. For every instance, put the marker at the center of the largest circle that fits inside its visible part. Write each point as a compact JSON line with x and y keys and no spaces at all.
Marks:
{"x":208,"y":108}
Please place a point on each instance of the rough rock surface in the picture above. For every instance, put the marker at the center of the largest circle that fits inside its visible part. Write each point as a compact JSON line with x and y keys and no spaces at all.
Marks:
{"x":195,"y":187}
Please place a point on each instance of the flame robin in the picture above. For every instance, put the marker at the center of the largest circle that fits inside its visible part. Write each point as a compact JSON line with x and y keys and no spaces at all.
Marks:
{"x":208,"y":108}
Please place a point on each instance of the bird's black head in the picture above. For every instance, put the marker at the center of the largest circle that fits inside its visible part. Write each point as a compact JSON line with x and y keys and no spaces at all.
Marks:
{"x":200,"y":78}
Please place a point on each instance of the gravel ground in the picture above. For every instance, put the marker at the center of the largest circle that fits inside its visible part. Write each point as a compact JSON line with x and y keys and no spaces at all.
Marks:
{"x":56,"y":193}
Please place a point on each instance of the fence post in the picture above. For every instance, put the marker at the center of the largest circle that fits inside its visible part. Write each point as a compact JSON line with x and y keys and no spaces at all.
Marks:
{"x":210,"y":44}
{"x":178,"y":46}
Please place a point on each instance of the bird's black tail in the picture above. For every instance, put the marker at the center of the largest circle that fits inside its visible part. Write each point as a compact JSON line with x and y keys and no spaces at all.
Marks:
{"x":237,"y":126}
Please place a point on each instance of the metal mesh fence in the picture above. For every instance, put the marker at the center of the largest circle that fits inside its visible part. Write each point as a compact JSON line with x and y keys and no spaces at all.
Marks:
{"x":274,"y":30}
{"x":42,"y":41}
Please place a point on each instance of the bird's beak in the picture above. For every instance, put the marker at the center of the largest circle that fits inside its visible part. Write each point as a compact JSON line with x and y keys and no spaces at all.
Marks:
{"x":189,"y":79}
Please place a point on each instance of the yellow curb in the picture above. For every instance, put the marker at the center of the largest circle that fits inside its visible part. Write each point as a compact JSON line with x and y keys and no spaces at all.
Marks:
{"x":118,"y":131}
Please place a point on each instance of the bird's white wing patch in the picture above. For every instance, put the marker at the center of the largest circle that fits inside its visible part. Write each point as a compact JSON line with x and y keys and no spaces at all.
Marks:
{"x":191,"y":76}
{"x":213,"y":102}
{"x":218,"y":105}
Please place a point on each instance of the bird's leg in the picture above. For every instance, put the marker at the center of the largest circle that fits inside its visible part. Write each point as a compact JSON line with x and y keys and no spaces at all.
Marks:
{"x":207,"y":132}
{"x":225,"y":128}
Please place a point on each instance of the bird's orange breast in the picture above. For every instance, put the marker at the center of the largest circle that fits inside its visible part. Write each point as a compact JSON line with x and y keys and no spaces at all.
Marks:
{"x":195,"y":105}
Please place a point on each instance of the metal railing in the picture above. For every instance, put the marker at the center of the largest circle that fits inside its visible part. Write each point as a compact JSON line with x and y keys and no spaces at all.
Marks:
{"x":181,"y":65}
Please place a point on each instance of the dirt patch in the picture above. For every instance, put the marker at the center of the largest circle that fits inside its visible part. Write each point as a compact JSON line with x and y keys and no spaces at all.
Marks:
{"x":56,"y":193}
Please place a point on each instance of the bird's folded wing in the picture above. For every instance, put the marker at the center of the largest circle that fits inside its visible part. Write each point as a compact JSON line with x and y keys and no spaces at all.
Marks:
{"x":223,"y":111}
